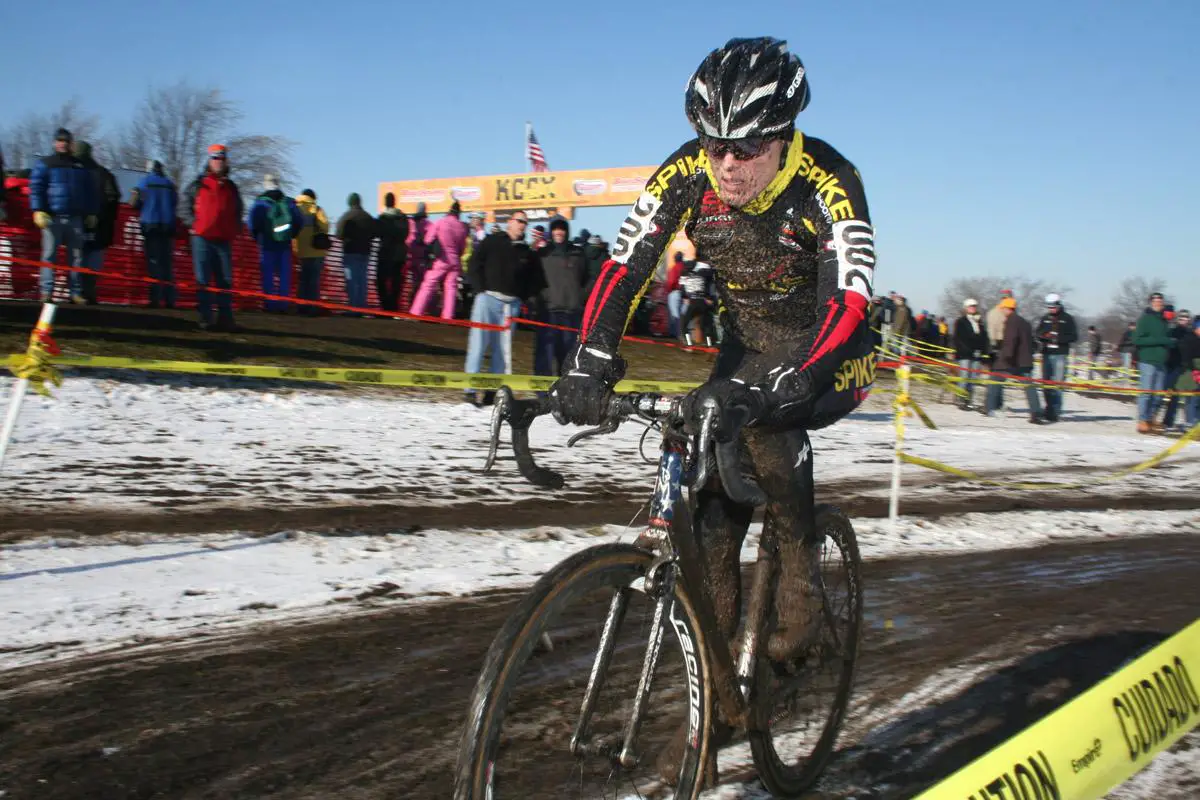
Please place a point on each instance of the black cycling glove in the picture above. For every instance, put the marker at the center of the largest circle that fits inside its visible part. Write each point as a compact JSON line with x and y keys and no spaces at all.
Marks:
{"x":581,"y":396}
{"x":737,"y":404}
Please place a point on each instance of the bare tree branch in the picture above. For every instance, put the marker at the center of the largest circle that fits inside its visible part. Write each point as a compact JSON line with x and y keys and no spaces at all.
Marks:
{"x":33,"y":136}
{"x":251,"y":157}
{"x":1133,"y":295}
{"x":1030,"y":293}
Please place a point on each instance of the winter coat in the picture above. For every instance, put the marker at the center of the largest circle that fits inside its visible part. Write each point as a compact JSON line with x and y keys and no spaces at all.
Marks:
{"x":1016,"y":349}
{"x":157,"y":201}
{"x":62,"y":185}
{"x":393,"y":230}
{"x":417,"y":228}
{"x":260,"y":226}
{"x":506,"y":267}
{"x":1126,"y":343}
{"x":100,"y":236}
{"x":1152,"y":338}
{"x":970,"y":340}
{"x":1056,"y":333}
{"x":356,"y":228}
{"x":450,"y":232}
{"x":1179,"y":333}
{"x":315,"y":221}
{"x":1094,"y":343}
{"x":1189,"y":352}
{"x":16,"y":202}
{"x":566,"y":273}
{"x":597,"y":255}
{"x":212,"y":208}
{"x":902,"y":323}
{"x":995,"y":324}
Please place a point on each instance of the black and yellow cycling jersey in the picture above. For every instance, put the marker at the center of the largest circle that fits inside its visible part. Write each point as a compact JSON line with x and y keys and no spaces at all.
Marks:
{"x":794,"y":267}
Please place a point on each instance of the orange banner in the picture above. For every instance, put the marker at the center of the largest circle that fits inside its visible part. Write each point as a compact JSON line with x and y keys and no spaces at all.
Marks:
{"x":618,"y":186}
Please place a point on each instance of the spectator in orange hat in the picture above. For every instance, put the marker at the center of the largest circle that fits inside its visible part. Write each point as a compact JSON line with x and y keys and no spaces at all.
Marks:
{"x":1016,"y":358}
{"x":996,"y":320}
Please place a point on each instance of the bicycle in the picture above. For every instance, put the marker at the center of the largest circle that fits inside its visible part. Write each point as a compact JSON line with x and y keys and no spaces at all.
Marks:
{"x":583,"y":610}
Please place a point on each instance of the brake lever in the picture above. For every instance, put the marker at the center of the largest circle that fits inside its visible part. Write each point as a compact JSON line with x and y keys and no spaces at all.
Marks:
{"x":499,"y":414}
{"x":704,"y":443}
{"x":609,"y":426}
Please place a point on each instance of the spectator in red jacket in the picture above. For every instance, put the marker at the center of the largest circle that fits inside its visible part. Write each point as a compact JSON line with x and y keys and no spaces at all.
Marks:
{"x":212,"y":210}
{"x":674,"y":295}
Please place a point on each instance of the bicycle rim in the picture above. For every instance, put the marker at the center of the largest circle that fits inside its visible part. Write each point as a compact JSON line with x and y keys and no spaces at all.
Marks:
{"x":803,"y":702}
{"x":527,"y":702}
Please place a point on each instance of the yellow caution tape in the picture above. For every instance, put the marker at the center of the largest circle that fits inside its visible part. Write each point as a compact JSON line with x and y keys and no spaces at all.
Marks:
{"x":1098,"y":740}
{"x":34,"y":364}
{"x":938,"y":466}
{"x":371,"y":377}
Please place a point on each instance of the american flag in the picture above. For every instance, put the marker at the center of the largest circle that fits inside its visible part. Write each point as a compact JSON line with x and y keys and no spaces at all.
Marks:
{"x":533,"y":151}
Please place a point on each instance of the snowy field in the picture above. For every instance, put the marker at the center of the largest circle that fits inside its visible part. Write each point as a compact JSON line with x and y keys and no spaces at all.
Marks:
{"x":102,"y":445}
{"x":107,"y":446}
{"x":61,"y":597}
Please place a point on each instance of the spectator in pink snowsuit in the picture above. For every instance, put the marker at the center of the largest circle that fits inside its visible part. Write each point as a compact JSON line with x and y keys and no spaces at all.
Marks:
{"x":414,"y":270}
{"x":450,"y":235}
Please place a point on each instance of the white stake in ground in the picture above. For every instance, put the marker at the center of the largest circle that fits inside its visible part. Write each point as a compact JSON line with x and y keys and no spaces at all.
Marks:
{"x":901,"y":411}
{"x":18,"y":392}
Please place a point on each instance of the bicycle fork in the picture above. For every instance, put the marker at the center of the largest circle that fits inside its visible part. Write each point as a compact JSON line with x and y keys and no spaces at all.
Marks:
{"x":660,"y":582}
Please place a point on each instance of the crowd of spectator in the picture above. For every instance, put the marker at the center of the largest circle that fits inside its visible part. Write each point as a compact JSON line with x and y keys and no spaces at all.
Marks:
{"x":496,"y":275}
{"x":1163,"y":345}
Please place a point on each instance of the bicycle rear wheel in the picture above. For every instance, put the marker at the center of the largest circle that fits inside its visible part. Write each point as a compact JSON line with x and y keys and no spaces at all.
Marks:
{"x":526,"y":706}
{"x":802,"y":703}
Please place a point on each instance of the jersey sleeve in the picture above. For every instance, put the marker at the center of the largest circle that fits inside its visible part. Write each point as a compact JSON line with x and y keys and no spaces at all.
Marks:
{"x":846,"y":279}
{"x":644,"y":235}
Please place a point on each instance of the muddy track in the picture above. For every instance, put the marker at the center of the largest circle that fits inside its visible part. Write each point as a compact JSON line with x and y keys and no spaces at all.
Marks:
{"x":597,"y":505}
{"x":369,"y":705}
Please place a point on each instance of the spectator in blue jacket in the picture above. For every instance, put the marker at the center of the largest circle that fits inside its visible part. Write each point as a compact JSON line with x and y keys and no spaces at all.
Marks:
{"x":274,"y":221}
{"x":63,"y":199}
{"x":157,"y":200}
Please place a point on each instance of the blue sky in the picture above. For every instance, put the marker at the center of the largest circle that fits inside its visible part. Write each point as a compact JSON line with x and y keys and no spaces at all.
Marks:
{"x":1051,"y":139}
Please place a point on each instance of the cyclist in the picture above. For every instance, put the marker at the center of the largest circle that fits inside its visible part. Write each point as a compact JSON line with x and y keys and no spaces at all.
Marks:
{"x":783,"y":220}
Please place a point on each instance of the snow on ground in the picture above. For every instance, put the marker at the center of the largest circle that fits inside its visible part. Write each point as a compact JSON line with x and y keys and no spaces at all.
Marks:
{"x":60,"y":597}
{"x":108,"y":445}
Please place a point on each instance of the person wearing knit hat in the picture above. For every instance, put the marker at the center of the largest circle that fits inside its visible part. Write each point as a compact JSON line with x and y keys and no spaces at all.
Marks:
{"x":560,"y":302}
{"x":1015,"y":357}
{"x":1180,"y":331}
{"x":274,"y":221}
{"x":100,"y":231}
{"x":418,"y":256}
{"x":393,"y":229}
{"x":1153,"y":342}
{"x":212,"y":210}
{"x":446,"y":239}
{"x":157,"y":202}
{"x":64,"y":200}
{"x":357,"y":230}
{"x":310,"y":247}
{"x":970,"y":346}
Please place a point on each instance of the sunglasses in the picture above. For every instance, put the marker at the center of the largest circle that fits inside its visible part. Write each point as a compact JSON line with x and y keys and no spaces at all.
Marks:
{"x":522,"y":221}
{"x":217,"y":157}
{"x":742,"y":149}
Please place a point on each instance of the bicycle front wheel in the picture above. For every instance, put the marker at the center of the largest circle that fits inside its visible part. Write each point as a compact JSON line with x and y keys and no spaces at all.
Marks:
{"x":802,"y":703}
{"x":523,"y":737}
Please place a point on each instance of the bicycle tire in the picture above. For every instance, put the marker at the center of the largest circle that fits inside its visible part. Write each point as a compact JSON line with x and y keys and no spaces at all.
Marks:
{"x":610,"y":565}
{"x":780,"y":778}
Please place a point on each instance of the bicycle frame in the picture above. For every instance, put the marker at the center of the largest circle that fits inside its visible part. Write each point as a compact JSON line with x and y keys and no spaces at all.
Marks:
{"x":679,"y":554}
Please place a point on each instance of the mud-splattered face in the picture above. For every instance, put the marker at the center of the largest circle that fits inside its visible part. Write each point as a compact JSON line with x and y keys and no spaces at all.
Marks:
{"x":741,"y":180}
